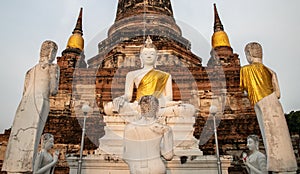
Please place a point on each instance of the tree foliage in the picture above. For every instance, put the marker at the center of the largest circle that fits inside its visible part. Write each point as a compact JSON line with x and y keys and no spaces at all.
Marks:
{"x":293,"y":121}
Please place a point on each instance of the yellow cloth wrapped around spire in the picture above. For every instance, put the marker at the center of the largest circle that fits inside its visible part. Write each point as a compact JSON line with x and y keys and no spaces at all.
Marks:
{"x":76,"y":41}
{"x":220,"y":38}
{"x":256,"y":79}
{"x":153,"y":83}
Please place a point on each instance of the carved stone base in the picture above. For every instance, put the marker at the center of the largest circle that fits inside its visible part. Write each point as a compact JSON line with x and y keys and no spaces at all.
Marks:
{"x":101,"y":164}
{"x":184,"y":142}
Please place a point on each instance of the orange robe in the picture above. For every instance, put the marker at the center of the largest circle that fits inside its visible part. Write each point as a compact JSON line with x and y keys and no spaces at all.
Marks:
{"x":153,"y":83}
{"x":256,"y":79}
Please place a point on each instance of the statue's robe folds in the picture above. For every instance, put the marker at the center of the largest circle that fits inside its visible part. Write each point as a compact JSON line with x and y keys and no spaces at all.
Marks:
{"x":257,"y":160}
{"x":153,"y":83}
{"x":256,"y":79}
{"x":30,"y":118}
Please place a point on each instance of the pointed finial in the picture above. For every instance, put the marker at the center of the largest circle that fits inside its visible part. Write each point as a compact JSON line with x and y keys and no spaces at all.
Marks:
{"x":78,"y":27}
{"x":218,"y":24}
{"x":149,"y":44}
{"x":76,"y":40}
{"x":148,"y":41}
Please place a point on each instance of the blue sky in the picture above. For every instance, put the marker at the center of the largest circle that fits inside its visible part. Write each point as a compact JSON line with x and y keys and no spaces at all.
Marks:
{"x":26,"y":24}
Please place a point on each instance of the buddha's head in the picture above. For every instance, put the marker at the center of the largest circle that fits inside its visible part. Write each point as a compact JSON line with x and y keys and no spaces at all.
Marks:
{"x":149,"y":106}
{"x":47,"y":141}
{"x":148,"y":54}
{"x":252,"y":142}
{"x":48,"y":51}
{"x":254,"y":53}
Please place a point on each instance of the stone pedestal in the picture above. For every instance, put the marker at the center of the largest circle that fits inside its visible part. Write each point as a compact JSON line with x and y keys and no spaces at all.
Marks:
{"x":188,"y":158}
{"x":184,"y":142}
{"x":103,"y":165}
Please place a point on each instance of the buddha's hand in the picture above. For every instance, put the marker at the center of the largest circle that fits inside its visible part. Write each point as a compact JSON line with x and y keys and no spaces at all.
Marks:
{"x":118,"y":103}
{"x":244,"y":155}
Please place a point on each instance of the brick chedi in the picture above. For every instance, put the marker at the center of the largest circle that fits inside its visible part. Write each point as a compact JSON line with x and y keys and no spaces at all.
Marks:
{"x":104,"y":79}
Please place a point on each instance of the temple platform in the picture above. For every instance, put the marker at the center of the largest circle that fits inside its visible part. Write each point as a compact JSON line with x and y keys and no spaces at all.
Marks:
{"x":100,"y":164}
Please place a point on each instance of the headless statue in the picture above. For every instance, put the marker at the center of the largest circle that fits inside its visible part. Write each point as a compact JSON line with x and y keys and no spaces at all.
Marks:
{"x":256,"y":162}
{"x":146,"y":140}
{"x":262,"y":89}
{"x":41,"y":81}
{"x":148,"y":81}
{"x":45,"y":162}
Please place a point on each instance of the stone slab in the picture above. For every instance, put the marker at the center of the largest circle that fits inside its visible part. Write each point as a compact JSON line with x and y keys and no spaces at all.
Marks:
{"x":104,"y":165}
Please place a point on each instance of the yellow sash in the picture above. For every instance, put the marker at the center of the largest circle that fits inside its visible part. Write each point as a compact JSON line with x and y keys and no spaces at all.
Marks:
{"x":256,"y":79}
{"x":153,"y":83}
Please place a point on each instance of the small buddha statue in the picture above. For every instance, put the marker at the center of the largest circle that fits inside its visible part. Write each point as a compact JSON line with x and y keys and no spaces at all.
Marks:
{"x":44,"y":161}
{"x":256,"y":162}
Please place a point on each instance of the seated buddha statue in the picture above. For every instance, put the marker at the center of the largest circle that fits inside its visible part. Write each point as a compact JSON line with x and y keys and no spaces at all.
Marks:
{"x":148,"y":81}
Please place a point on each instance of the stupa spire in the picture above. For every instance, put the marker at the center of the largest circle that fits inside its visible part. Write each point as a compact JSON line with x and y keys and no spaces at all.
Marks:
{"x":218,"y":24}
{"x":78,"y":27}
{"x":76,"y":40}
{"x":219,"y":37}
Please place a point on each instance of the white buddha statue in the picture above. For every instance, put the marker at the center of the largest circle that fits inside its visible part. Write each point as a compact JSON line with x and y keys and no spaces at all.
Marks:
{"x":45,"y":162}
{"x":148,"y":81}
{"x":261,"y":85}
{"x":41,"y":82}
{"x":256,"y":162}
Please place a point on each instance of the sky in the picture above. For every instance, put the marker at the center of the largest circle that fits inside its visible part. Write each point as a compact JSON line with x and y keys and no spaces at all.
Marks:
{"x":26,"y":24}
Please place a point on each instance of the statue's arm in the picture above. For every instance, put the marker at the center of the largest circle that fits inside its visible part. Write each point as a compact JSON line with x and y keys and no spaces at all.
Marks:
{"x":275,"y":83}
{"x":262,"y":161}
{"x":37,"y":162}
{"x":242,"y":84}
{"x":169,"y":89}
{"x":119,"y":101}
{"x":54,"y":78}
{"x":129,"y":84}
{"x":167,"y":144}
{"x":26,"y":81}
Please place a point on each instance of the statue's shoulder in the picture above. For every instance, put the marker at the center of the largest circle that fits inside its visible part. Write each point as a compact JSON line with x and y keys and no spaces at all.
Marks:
{"x":133,"y":73}
{"x":252,"y":66}
{"x":260,"y":155}
{"x":161,"y":72}
{"x":247,"y":66}
{"x":41,"y":153}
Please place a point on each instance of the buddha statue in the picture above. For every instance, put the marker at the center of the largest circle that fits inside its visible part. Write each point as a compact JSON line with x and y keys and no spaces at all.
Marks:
{"x":41,"y":82}
{"x":261,"y":85}
{"x":44,"y":161}
{"x":148,"y":81}
{"x":255,"y":162}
